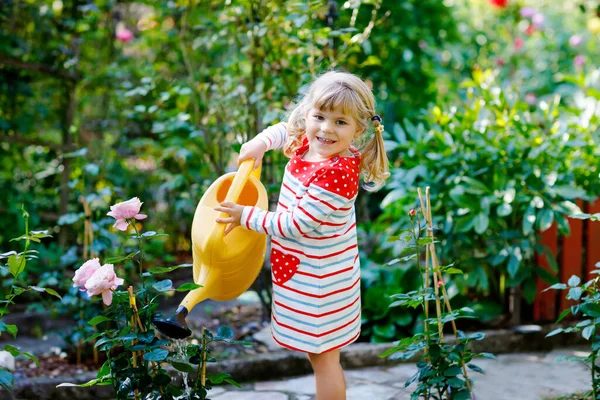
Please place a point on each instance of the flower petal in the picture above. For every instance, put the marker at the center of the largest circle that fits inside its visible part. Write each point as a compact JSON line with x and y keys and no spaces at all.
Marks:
{"x":121,"y":225}
{"x":141,"y":216}
{"x":107,"y":297}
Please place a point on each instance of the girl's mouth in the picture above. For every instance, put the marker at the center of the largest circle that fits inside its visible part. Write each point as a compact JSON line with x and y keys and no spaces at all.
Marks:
{"x":325,"y":141}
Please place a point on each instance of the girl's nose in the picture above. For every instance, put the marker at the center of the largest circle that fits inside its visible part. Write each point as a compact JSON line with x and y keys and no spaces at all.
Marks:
{"x":327,"y":127}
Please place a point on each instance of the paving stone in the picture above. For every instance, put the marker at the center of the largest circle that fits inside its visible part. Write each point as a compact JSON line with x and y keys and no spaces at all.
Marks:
{"x":303,"y":385}
{"x":302,"y":397}
{"x":251,"y":396}
{"x":373,"y":375}
{"x":373,"y":391}
{"x":216,"y":391}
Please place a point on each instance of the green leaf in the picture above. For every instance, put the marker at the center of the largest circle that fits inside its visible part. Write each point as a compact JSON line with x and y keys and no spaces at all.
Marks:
{"x":16,"y":264}
{"x":563,"y":314}
{"x":225,"y":332}
{"x":574,"y":293}
{"x":87,"y":384}
{"x":456,"y":382}
{"x":164,"y":270}
{"x":98,"y":319}
{"x":504,"y":209}
{"x":569,"y":192}
{"x":53,"y":293}
{"x":156,"y":355}
{"x":188,"y":286}
{"x":462,"y":395}
{"x":6,"y":378}
{"x":475,"y":368}
{"x":545,"y":219}
{"x":557,"y":286}
{"x":528,"y":220}
{"x":31,"y":357}
{"x":387,"y":331}
{"x":481,"y":223}
{"x":118,"y":259}
{"x":218,"y":377}
{"x":555,"y":332}
{"x":45,"y":290}
{"x":12,"y":350}
{"x":573,"y":281}
{"x":588,"y":331}
{"x":590,"y":309}
{"x":514,"y":261}
{"x":183,"y":367}
{"x":11,"y":329}
{"x":163,"y":286}
{"x":453,"y":371}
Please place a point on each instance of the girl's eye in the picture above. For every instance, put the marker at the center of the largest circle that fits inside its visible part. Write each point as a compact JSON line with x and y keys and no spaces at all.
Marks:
{"x":318,"y":117}
{"x":342,"y":122}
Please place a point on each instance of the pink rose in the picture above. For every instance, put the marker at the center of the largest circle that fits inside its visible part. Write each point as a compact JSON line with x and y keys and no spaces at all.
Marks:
{"x":530,"y":99}
{"x":575,"y":40}
{"x":124,"y":211}
{"x":529,"y":31}
{"x":538,"y":20}
{"x":519,"y":43}
{"x":527,"y":12}
{"x":579,"y":60}
{"x":85,"y":272}
{"x":412,"y":212}
{"x":103,"y":282}
{"x":124,"y":35}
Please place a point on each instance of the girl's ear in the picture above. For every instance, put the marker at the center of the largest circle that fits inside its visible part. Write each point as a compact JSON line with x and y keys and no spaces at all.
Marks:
{"x":359,"y":131}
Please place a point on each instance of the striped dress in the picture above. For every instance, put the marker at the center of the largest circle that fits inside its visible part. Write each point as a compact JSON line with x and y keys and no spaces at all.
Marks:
{"x":314,"y":256}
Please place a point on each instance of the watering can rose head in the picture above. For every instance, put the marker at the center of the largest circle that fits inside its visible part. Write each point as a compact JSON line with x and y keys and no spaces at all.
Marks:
{"x":103,"y":282}
{"x":124,"y":211}
{"x":85,"y":272}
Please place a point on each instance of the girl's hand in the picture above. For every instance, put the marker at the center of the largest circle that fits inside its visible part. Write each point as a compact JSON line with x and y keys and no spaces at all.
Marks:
{"x":253,"y":149}
{"x":235,"y":215}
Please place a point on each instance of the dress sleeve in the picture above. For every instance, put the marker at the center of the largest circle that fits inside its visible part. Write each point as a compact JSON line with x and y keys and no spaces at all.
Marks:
{"x":332,"y":190}
{"x":274,"y":136}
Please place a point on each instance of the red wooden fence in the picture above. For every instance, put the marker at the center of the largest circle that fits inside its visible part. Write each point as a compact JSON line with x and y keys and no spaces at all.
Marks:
{"x":577,"y":255}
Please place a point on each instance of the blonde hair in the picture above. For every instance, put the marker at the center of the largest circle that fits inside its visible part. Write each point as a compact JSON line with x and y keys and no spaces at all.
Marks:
{"x":348,"y":92}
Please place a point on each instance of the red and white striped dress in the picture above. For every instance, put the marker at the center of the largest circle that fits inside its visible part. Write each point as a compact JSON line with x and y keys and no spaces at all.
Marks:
{"x":314,"y":257}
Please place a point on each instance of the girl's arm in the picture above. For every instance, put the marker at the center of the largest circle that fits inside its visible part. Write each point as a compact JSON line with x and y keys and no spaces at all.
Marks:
{"x":271,"y":138}
{"x":334,"y":189}
{"x":274,"y":136}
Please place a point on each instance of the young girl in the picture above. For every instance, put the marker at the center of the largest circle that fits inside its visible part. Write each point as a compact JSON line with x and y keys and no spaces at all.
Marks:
{"x":314,"y":257}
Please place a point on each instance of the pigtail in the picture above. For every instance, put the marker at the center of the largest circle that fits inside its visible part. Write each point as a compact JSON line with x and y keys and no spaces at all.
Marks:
{"x":374,"y":162}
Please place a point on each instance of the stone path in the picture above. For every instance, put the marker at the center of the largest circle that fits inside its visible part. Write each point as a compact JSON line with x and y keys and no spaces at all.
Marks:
{"x":529,"y":376}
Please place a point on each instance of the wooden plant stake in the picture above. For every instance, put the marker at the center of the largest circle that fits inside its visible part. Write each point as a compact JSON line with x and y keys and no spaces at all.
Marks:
{"x":437,"y":275}
{"x":88,"y":241}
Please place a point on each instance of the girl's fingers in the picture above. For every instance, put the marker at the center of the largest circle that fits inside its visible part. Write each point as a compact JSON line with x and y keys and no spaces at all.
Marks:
{"x":229,"y":228}
{"x":225,"y":220}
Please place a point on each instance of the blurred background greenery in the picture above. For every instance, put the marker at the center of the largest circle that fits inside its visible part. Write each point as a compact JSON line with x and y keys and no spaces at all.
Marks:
{"x":492,"y":103}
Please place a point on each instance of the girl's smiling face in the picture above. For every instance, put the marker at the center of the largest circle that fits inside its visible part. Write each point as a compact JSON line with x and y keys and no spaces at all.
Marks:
{"x":329,"y":133}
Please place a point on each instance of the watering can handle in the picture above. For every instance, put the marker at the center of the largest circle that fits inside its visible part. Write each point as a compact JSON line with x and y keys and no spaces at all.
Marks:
{"x":241,"y":176}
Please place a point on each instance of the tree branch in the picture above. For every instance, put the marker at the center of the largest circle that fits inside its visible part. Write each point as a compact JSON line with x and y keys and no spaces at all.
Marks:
{"x":45,"y":69}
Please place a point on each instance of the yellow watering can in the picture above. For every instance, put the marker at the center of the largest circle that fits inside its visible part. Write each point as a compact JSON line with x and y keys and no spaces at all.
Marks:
{"x":225,"y":266}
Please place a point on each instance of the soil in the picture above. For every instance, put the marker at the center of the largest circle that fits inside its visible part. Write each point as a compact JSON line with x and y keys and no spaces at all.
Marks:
{"x":243,"y":320}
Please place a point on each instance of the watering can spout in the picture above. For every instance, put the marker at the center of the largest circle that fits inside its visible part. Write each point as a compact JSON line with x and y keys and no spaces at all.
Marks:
{"x":224,"y":267}
{"x":176,"y":326}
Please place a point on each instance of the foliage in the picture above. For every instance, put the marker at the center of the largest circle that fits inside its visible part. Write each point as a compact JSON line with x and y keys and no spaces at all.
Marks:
{"x":441,"y":364}
{"x":501,"y":172}
{"x":136,"y":358}
{"x":16,"y":263}
{"x":587,"y":296}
